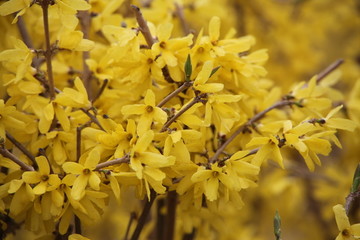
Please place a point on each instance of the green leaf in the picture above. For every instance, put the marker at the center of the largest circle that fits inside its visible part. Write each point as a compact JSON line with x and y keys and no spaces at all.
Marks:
{"x":188,"y":68}
{"x":356,"y":180}
{"x":214,"y":71}
{"x":277,"y":225}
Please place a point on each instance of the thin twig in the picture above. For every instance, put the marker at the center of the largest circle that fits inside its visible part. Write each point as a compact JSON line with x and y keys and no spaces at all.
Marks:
{"x":179,"y":10}
{"x":143,"y":216}
{"x":12,"y":157}
{"x":124,"y":159}
{"x":132,"y":217}
{"x":181,"y":112}
{"x":102,"y":88}
{"x":21,"y":147}
{"x":48,"y":51}
{"x":144,"y":29}
{"x":24,"y":32}
{"x":249,"y":123}
{"x":184,"y":86}
{"x":329,"y":69}
{"x":93,"y":118}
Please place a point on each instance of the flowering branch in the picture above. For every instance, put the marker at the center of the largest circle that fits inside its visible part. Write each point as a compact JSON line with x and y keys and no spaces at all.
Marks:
{"x":183,"y":87}
{"x":12,"y":157}
{"x":171,"y":202}
{"x":21,"y":147}
{"x":93,"y":118}
{"x":329,"y":69}
{"x":181,"y":112}
{"x":249,"y":123}
{"x":143,"y":216}
{"x":179,"y":11}
{"x":124,"y":159}
{"x":101,"y":90}
{"x":143,"y":27}
{"x":85,"y":22}
{"x":48,"y":52}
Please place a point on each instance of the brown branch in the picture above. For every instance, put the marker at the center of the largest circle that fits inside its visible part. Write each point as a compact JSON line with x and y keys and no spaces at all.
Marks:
{"x":171,"y":203}
{"x":93,"y":118}
{"x":184,"y":86}
{"x":144,"y":29}
{"x":12,"y":157}
{"x":48,"y":51}
{"x":249,"y":123}
{"x":329,"y":69}
{"x":102,"y":88}
{"x":85,"y":22}
{"x":124,"y":159}
{"x":143,"y":216}
{"x":21,"y":147}
{"x":179,"y":11}
{"x":132,"y":217}
{"x":181,"y":112}
{"x":24,"y":32}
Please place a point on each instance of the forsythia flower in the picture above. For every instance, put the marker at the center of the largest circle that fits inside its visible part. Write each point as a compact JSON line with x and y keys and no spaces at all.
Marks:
{"x":85,"y":174}
{"x":72,"y":98}
{"x":347,"y":231}
{"x":44,"y":180}
{"x":148,"y":111}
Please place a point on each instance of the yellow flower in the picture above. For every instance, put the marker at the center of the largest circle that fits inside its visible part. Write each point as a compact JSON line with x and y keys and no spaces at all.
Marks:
{"x":347,"y":231}
{"x":44,"y":180}
{"x":9,"y":119}
{"x":13,"y":6}
{"x":67,"y":9}
{"x":85,"y":174}
{"x":270,"y":149}
{"x":73,"y":40}
{"x":210,"y":178}
{"x":74,"y":98}
{"x":167,"y":47}
{"x":203,"y":76}
{"x":148,"y":111}
{"x":17,"y":60}
{"x":146,"y":164}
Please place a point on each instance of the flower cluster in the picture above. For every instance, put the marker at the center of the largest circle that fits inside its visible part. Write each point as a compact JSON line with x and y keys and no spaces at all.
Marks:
{"x":96,"y":110}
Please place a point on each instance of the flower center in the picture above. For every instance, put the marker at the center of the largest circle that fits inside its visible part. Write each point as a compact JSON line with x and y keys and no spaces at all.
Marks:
{"x":149,"y":108}
{"x":129,"y":136}
{"x":345,"y":233}
{"x":162,"y":44}
{"x":86,"y":171}
{"x":44,"y":178}
{"x":215,"y":174}
{"x":150,"y":61}
{"x":200,"y":50}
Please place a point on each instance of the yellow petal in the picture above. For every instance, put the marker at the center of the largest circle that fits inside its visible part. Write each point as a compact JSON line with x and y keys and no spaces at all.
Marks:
{"x":72,"y":167}
{"x":30,"y":177}
{"x":201,"y":175}
{"x":40,"y":188}
{"x":94,"y":181}
{"x":43,"y":165}
{"x":214,"y":28}
{"x":13,"y":6}
{"x":211,"y":189}
{"x":341,"y":123}
{"x":164,"y":31}
{"x":342,"y":220}
{"x":78,"y":189}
